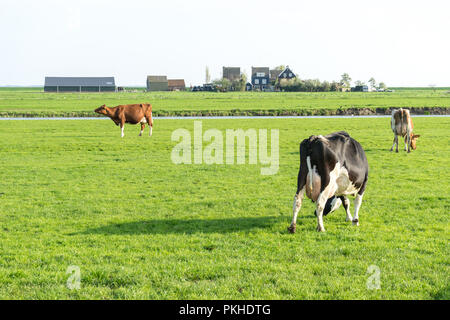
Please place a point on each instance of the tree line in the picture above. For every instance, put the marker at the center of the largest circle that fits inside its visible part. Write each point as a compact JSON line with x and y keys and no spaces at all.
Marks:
{"x":315,"y":85}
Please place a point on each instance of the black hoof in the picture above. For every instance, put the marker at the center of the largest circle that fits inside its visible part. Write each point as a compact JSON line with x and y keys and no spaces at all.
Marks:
{"x":292,"y":228}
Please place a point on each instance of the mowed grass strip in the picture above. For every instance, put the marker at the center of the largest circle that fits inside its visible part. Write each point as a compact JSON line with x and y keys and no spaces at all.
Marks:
{"x":139,"y":226}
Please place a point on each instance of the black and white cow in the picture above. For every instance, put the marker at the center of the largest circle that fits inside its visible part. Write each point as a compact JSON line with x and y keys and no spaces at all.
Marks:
{"x":331,"y":167}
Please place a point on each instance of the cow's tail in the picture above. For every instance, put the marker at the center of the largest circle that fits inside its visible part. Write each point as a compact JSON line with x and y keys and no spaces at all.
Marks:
{"x":310,"y":172}
{"x":313,"y":182}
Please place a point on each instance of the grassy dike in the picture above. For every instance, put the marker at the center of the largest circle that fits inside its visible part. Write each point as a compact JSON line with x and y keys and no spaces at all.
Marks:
{"x":237,"y":112}
{"x":34,"y":103}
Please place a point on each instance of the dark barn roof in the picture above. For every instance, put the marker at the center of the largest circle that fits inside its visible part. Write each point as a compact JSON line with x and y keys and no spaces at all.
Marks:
{"x":260,"y":69}
{"x":79,"y":81}
{"x":157,"y":78}
{"x":231,"y":73}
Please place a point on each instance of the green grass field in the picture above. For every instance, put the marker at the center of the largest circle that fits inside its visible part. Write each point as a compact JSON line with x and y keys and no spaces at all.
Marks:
{"x":138,"y":226}
{"x":34,"y":102}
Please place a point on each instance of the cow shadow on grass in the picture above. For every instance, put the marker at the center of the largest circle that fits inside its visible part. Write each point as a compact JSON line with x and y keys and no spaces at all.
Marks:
{"x":187,"y":226}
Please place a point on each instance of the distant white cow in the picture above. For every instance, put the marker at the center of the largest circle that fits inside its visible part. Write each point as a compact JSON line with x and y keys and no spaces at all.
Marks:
{"x":401,"y":125}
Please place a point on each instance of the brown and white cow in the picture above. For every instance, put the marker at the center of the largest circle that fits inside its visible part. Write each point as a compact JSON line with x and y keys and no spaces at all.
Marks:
{"x":402,"y":125}
{"x":331,"y":168}
{"x":129,"y":113}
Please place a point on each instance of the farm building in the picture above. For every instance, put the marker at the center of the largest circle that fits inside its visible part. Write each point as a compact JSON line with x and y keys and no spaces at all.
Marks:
{"x":260,"y":78}
{"x":176,"y":85}
{"x":362,"y":88}
{"x":286,"y":74}
{"x":232,"y":73}
{"x":277,"y":74}
{"x":157,"y":83}
{"x":79,"y":84}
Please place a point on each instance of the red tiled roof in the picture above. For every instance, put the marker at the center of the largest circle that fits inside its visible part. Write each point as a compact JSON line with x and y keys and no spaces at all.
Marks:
{"x":176,"y":83}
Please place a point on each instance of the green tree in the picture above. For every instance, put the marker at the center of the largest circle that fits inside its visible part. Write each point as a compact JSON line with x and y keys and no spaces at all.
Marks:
{"x":207,"y":75}
{"x":310,"y":85}
{"x":223,"y":84}
{"x":325,"y":86}
{"x":373,"y":83}
{"x":242,"y":82}
{"x":382,"y":86}
{"x":346,"y":80}
{"x":335,"y":86}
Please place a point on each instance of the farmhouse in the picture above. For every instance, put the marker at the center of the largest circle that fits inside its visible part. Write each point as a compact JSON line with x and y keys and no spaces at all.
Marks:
{"x":286,"y":74}
{"x":79,"y":84}
{"x":260,"y":78}
{"x":277,"y":74}
{"x":232,"y":73}
{"x":176,"y":85}
{"x":157,"y":83}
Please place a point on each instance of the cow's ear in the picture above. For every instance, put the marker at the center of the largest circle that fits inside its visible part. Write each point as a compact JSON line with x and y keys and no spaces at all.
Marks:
{"x":416,"y":135}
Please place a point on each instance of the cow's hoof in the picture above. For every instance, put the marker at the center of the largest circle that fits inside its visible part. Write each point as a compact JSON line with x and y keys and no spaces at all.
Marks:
{"x":355,"y":222}
{"x":348,"y":219}
{"x":396,"y":151}
{"x":320,"y":229}
{"x":292,"y":228}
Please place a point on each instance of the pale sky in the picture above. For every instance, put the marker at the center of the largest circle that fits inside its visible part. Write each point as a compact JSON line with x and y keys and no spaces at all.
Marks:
{"x":403,"y":43}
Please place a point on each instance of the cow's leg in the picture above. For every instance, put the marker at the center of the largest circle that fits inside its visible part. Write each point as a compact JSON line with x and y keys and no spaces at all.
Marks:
{"x":346,"y":204}
{"x":150,"y":124}
{"x":321,"y":201}
{"x":406,"y":143}
{"x":142,"y":129}
{"x":393,"y":144}
{"x":298,"y":198}
{"x":358,"y":201}
{"x":122,"y":123}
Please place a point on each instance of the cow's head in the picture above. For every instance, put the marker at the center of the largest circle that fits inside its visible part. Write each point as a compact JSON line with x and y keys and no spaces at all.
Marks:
{"x":331,"y":205}
{"x":101,"y":110}
{"x":413,"y":140}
